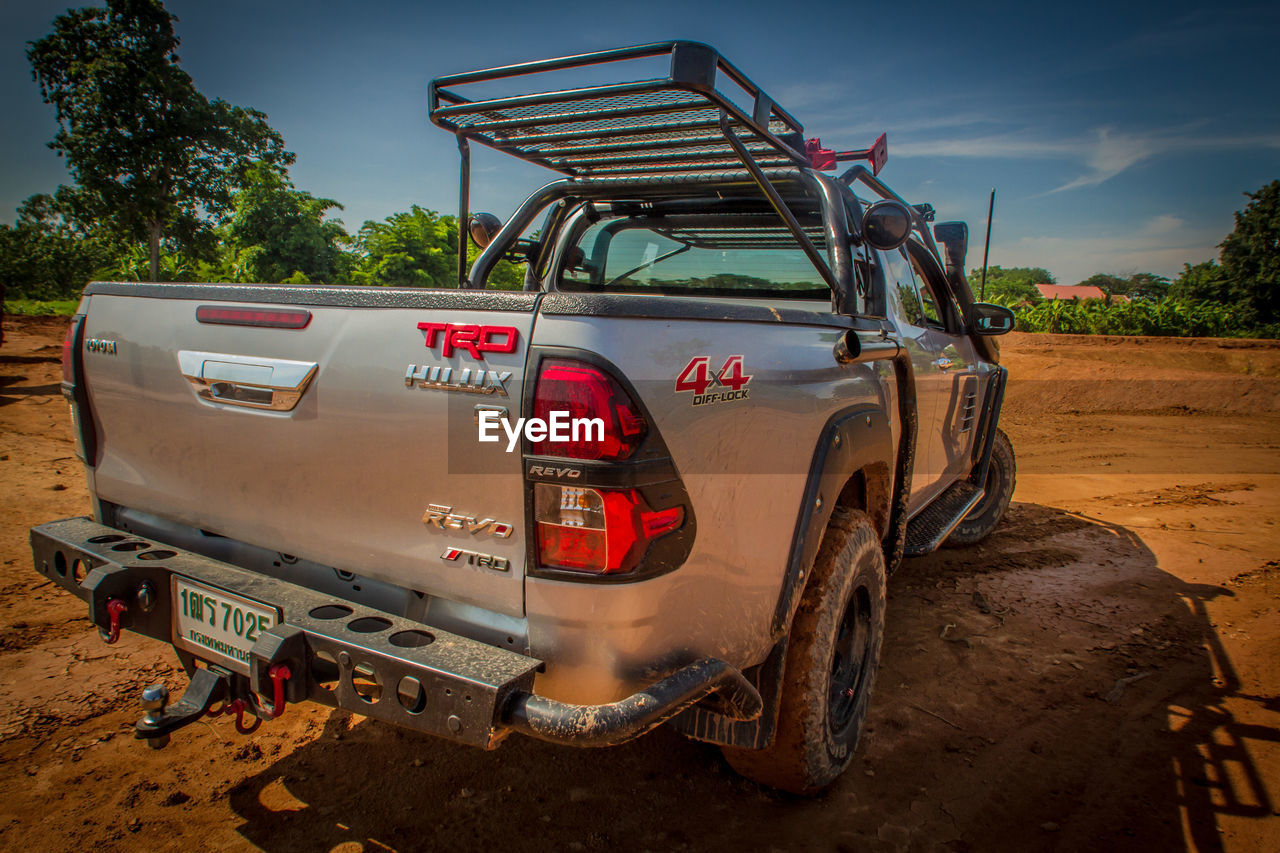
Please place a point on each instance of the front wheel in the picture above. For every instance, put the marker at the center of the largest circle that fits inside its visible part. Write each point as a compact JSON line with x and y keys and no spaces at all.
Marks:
{"x":833,"y":652}
{"x":1002,"y":476}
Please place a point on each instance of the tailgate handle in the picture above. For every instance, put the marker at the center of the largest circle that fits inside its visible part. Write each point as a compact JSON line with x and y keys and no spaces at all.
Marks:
{"x":275,"y":384}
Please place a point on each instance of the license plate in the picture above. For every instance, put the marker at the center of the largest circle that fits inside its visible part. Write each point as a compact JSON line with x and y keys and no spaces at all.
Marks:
{"x":218,"y":626}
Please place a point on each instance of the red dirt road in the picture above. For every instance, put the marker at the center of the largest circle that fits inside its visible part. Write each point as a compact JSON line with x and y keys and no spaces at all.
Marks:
{"x":1103,"y":673}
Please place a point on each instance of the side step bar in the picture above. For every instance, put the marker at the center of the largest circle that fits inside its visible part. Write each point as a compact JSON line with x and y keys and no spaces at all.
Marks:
{"x":933,"y":524}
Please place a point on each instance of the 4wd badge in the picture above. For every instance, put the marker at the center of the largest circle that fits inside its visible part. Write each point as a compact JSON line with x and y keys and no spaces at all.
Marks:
{"x":727,"y":384}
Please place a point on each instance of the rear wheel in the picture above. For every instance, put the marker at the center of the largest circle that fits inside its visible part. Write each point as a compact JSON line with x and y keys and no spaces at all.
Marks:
{"x":833,"y":653}
{"x":1001,"y":478}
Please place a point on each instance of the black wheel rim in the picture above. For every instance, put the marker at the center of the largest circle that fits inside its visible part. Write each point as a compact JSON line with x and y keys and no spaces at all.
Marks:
{"x":850,"y":661}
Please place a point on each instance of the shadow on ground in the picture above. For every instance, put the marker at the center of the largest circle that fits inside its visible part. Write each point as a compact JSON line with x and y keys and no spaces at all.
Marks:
{"x":1051,"y":688}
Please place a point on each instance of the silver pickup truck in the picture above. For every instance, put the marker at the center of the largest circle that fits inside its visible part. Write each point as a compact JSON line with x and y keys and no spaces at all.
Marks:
{"x":663,"y":484}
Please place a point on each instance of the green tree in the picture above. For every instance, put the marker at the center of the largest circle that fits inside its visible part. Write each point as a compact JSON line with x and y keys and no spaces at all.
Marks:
{"x":1205,"y":282}
{"x":277,"y":231}
{"x":46,"y":255}
{"x":419,"y":248}
{"x":1251,"y":254}
{"x":1145,"y":285}
{"x":150,"y":155}
{"x":1011,"y":285}
{"x":1107,"y":283}
{"x":414,"y":249}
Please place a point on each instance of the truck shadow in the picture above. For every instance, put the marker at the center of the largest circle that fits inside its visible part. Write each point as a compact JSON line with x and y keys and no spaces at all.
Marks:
{"x":12,"y":392}
{"x":1051,"y":688}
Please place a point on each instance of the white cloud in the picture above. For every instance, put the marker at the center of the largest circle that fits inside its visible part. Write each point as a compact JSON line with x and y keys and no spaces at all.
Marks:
{"x":1160,"y":245}
{"x":1110,"y":155}
{"x":1105,"y":154}
{"x":1165,"y":223}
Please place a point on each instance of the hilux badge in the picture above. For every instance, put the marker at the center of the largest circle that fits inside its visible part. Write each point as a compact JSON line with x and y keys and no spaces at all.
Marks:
{"x":467,"y":379}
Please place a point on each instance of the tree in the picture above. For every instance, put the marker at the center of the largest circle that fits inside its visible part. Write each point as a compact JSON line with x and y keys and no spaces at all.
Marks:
{"x":150,"y":155}
{"x":1014,"y":284}
{"x":419,"y":248}
{"x":1107,"y":283}
{"x":414,"y":249}
{"x":1251,"y":254}
{"x":277,"y":231}
{"x":46,"y":255}
{"x":1143,"y":285}
{"x":1205,"y":282}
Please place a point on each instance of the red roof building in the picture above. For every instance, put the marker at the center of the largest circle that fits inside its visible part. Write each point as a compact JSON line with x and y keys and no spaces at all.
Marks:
{"x":1068,"y":292}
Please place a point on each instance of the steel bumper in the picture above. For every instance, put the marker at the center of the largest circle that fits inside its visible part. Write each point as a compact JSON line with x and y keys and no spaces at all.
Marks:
{"x":412,"y":675}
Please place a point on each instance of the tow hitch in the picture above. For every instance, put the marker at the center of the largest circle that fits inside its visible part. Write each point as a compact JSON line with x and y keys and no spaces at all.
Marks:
{"x":207,"y":687}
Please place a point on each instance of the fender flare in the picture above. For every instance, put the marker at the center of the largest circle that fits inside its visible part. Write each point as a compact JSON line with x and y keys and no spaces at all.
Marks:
{"x":853,"y":440}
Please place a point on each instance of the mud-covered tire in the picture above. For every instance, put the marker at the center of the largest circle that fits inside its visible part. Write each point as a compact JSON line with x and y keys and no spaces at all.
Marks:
{"x":1002,"y":476}
{"x":833,"y":653}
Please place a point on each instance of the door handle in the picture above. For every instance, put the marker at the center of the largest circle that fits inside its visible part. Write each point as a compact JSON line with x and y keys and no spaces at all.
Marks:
{"x":275,"y":384}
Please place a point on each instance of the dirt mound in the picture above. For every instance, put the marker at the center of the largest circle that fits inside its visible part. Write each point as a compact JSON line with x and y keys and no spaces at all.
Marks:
{"x":1085,"y":374}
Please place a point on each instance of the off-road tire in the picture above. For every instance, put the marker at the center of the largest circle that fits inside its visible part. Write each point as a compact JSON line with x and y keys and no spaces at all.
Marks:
{"x":1002,"y":475}
{"x":818,"y":729}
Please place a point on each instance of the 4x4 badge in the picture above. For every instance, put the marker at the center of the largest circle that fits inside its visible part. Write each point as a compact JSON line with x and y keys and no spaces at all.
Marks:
{"x":698,"y":378}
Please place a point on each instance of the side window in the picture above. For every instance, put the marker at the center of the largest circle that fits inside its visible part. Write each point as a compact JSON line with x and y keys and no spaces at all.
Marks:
{"x":902,"y":287}
{"x":928,"y":304}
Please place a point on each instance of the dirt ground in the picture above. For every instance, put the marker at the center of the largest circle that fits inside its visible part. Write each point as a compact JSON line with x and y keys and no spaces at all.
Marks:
{"x":1103,"y":673}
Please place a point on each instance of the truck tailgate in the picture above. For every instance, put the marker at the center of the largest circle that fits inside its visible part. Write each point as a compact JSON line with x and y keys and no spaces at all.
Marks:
{"x":369,"y":471}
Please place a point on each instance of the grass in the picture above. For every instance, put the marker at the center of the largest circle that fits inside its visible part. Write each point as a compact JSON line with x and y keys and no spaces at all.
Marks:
{"x":41,"y":308}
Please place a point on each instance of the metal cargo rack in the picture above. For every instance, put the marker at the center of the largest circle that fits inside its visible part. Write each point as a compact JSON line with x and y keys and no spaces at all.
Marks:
{"x":703,"y":121}
{"x":663,"y":125}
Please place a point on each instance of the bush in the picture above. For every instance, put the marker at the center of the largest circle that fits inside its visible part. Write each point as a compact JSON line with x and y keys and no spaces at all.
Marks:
{"x":1164,"y":317}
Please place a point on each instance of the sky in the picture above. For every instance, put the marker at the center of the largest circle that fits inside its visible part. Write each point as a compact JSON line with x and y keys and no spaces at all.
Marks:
{"x":1119,"y":137}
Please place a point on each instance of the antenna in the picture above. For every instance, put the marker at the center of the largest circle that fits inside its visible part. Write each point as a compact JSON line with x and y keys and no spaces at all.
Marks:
{"x":982,"y":295}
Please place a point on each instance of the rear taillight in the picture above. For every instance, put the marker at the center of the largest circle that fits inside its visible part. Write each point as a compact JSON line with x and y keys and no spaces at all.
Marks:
{"x":587,"y":392}
{"x":605,"y":531}
{"x":74,"y":393}
{"x":68,"y":372}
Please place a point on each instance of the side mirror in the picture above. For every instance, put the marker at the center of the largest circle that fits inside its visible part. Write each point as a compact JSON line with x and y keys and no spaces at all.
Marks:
{"x":483,"y":228}
{"x":886,"y":224}
{"x":989,"y":320}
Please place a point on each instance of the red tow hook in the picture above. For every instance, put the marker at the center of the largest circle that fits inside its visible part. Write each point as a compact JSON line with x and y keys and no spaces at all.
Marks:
{"x":115,"y":609}
{"x":279,"y":673}
{"x":237,"y":707}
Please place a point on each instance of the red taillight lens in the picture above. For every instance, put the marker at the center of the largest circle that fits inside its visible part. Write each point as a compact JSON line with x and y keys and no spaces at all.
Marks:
{"x":605,"y":531}
{"x":586,"y":392}
{"x":270,"y":319}
{"x":68,"y":374}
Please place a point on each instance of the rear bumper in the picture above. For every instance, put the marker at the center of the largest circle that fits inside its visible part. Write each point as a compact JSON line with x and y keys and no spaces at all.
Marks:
{"x":427,"y":679}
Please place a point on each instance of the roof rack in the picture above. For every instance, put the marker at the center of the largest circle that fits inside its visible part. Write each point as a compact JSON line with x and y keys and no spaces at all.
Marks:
{"x":702,"y":119}
{"x":662,"y":125}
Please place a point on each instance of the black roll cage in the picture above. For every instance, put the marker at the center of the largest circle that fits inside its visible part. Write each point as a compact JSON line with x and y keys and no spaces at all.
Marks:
{"x":675,"y":136}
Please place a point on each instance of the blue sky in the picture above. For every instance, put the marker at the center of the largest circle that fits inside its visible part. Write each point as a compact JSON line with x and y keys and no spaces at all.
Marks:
{"x":1119,"y":137}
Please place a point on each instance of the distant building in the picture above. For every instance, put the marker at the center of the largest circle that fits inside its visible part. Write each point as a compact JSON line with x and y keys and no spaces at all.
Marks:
{"x":1069,"y":292}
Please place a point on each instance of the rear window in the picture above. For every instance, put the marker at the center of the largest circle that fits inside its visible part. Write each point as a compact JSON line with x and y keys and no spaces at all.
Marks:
{"x":751,"y":256}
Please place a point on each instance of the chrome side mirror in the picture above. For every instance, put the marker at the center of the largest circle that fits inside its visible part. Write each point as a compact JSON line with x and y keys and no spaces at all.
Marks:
{"x":886,"y":224}
{"x":989,"y":320}
{"x":483,"y":228}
